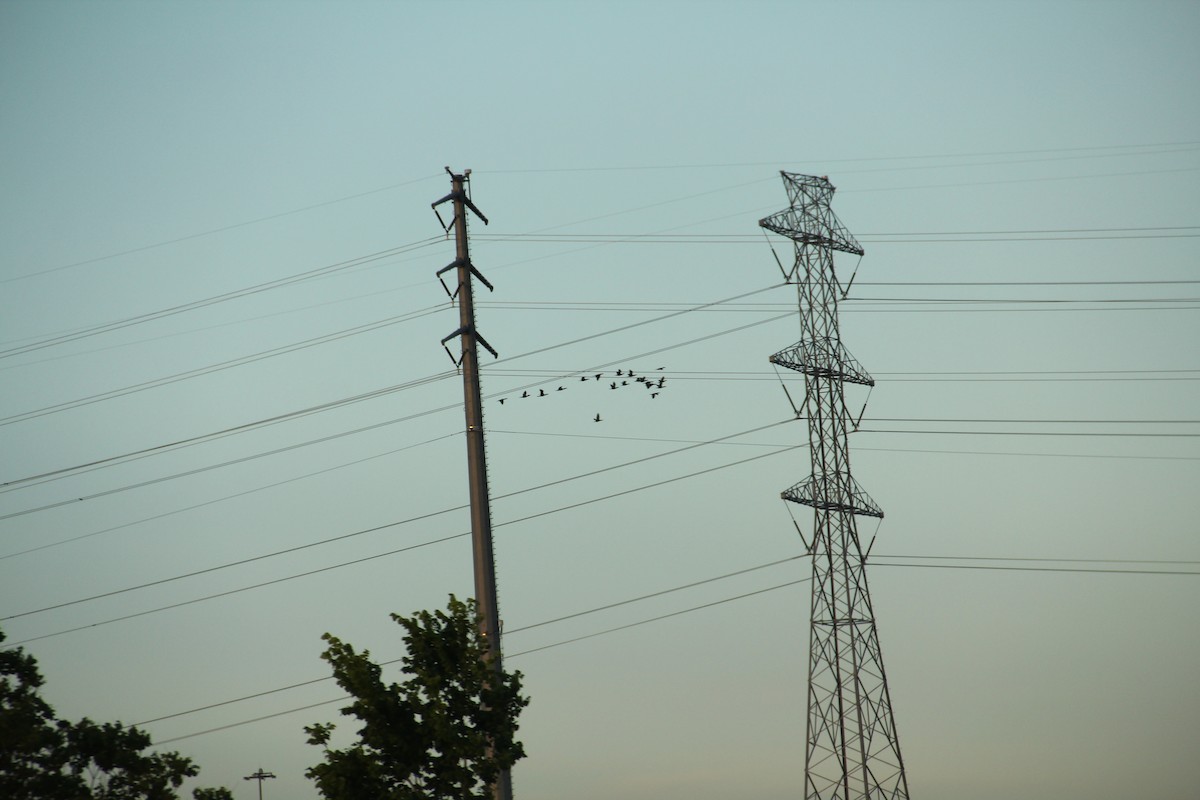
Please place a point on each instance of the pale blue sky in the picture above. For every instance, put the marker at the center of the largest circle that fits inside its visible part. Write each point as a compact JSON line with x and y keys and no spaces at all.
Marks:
{"x":153,"y":155}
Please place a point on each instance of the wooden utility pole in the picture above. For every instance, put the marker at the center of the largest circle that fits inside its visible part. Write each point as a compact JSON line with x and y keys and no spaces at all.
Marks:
{"x":468,"y":362}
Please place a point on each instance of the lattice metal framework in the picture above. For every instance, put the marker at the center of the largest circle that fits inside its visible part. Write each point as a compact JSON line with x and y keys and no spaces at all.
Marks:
{"x":852,"y":750}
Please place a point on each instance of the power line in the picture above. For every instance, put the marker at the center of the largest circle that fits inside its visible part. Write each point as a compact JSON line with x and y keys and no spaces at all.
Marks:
{"x":240,"y":589}
{"x":38,"y":479}
{"x":1041,"y":380}
{"x":1039,"y":433}
{"x":761,"y":374}
{"x":664,"y":617}
{"x":322,"y":439}
{"x":211,"y":368}
{"x":927,"y":306}
{"x":91,"y":331}
{"x":138,"y":319}
{"x":342,"y":537}
{"x":572,"y":304}
{"x":243,"y":561}
{"x":1028,"y":283}
{"x":1009,"y":310}
{"x":11,"y":484}
{"x":663,"y":592}
{"x":564,"y":618}
{"x":248,"y":721}
{"x":1026,"y":300}
{"x":1046,"y":560}
{"x":155,"y":315}
{"x":240,"y":460}
{"x":633,"y":325}
{"x":224,"y":498}
{"x":1128,"y":150}
{"x":427,"y":543}
{"x":1076,"y":421}
{"x":1089,"y":456}
{"x":1092,"y":570}
{"x":417,"y":382}
{"x":526,"y":518}
{"x":493,"y":237}
{"x":771,"y":307}
{"x":969,"y":376}
{"x":174,"y":334}
{"x":212,"y":231}
{"x":900,"y":237}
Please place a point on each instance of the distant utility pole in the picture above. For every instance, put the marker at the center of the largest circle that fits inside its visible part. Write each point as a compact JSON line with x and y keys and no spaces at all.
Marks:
{"x":852,"y":751}
{"x":259,"y":776}
{"x":468,"y":362}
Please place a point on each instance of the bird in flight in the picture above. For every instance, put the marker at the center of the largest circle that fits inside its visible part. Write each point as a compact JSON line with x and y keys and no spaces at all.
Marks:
{"x":597,"y":419}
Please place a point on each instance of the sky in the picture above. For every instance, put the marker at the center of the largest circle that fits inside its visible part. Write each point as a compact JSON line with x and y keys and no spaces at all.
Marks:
{"x":219,"y":354}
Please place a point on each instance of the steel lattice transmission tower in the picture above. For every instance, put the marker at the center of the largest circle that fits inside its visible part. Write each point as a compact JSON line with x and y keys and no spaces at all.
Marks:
{"x":852,"y":749}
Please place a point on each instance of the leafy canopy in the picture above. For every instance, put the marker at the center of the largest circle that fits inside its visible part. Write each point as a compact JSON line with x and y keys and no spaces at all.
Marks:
{"x":45,"y":758}
{"x":445,"y":733}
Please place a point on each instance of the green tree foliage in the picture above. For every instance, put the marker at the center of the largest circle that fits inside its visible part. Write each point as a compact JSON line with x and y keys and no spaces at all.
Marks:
{"x":45,"y":758}
{"x":212,"y":794}
{"x":426,"y":738}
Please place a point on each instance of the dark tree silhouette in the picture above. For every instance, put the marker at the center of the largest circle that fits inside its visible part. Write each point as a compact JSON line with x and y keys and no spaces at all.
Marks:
{"x":445,"y":733}
{"x":45,"y":758}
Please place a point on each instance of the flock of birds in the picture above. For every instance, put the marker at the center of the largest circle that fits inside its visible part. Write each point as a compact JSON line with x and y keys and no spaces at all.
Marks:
{"x":623,"y":378}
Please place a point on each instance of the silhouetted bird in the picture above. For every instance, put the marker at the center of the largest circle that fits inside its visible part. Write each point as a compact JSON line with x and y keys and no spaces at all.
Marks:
{"x":624,"y":383}
{"x":583,"y":377}
{"x":653,"y":395}
{"x":541,"y":392}
{"x":502,"y":399}
{"x":661,"y":381}
{"x":598,"y":374}
{"x":618,"y":373}
{"x":612,"y":385}
{"x":561,"y":388}
{"x":597,"y":419}
{"x":524,"y":394}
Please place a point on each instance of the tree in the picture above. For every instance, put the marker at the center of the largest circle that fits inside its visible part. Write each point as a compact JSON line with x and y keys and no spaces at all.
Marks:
{"x":212,"y":794}
{"x":45,"y":758}
{"x":445,"y":733}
